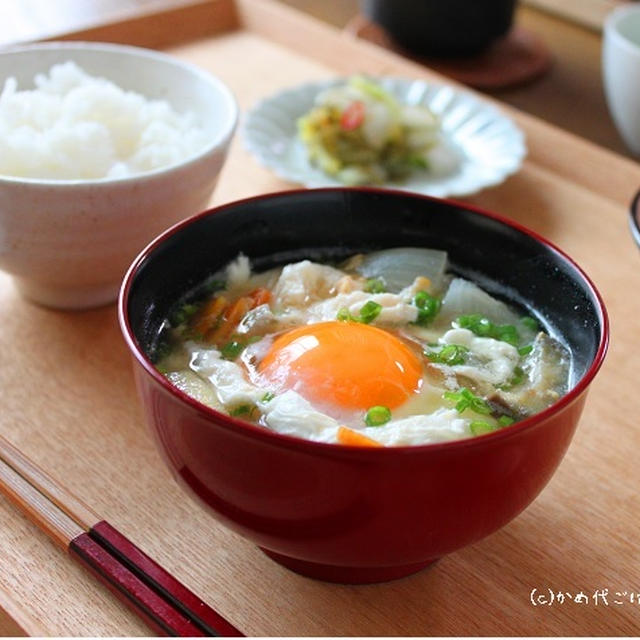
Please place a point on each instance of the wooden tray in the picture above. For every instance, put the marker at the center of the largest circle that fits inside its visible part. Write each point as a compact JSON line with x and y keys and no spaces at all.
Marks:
{"x":69,"y":402}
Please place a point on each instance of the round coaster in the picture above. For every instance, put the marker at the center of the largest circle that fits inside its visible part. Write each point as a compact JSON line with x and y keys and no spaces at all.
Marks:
{"x":517,"y":58}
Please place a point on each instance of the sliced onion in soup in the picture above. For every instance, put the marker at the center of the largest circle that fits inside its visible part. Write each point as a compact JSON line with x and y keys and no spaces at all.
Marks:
{"x":398,"y":268}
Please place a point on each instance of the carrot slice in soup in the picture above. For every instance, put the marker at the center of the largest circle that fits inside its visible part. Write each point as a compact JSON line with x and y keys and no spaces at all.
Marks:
{"x":232,"y":316}
{"x":208,"y":317}
{"x":353,"y":438}
{"x":260,"y":296}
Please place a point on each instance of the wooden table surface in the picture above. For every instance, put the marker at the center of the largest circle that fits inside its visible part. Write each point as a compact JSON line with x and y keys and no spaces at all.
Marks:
{"x":68,"y":402}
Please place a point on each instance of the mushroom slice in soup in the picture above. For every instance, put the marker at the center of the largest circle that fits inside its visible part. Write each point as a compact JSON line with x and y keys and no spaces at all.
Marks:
{"x":544,"y":379}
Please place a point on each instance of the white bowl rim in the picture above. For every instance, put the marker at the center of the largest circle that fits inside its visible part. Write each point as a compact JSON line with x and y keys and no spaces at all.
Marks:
{"x":612,"y":23}
{"x":212,"y":146}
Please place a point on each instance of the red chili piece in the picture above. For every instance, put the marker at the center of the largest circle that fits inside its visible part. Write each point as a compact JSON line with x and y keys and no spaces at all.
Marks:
{"x":352,"y":116}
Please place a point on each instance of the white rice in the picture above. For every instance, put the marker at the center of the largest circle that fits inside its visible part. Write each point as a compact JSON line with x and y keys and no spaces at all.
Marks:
{"x":74,"y":126}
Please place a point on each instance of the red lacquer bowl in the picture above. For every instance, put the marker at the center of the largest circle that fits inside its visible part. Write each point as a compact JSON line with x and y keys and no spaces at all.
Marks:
{"x":351,"y":514}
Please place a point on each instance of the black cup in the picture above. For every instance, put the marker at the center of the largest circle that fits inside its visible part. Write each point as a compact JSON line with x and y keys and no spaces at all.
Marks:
{"x":442,"y":28}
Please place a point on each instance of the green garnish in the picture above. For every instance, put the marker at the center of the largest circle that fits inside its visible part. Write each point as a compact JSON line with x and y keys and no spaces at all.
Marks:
{"x":241,"y":410}
{"x":375,"y":285}
{"x":417,"y":162}
{"x":232,"y":349}
{"x":268,"y":397}
{"x":161,"y":351}
{"x":476,"y":323}
{"x":518,"y":376}
{"x":483,"y":327}
{"x":377,"y":416}
{"x":526,"y":350}
{"x":516,"y":379}
{"x":464,"y":400}
{"x":507,"y":333}
{"x":428,"y":307}
{"x":183,"y":314}
{"x":368,"y":313}
{"x":478,"y":427}
{"x":450,"y":354}
{"x":214,"y":285}
{"x":530,"y":323}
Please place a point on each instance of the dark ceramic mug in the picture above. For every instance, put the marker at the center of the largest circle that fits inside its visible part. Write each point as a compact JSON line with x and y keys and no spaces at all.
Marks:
{"x":442,"y":27}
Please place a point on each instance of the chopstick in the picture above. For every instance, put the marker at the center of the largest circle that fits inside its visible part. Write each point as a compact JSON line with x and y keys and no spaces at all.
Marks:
{"x":165,"y":604}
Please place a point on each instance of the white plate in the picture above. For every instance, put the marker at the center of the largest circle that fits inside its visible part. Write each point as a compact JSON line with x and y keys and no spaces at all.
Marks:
{"x":490,"y":145}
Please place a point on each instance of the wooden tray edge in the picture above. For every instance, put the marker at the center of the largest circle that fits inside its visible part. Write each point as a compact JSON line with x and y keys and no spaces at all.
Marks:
{"x":175,"y":23}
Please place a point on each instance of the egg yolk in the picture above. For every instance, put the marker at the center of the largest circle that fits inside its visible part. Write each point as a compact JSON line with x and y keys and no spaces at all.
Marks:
{"x":353,"y":365}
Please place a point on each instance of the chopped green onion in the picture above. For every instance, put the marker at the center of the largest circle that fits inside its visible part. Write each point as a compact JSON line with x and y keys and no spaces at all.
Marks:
{"x":232,"y":349}
{"x":370,"y":311}
{"x":428,"y":307}
{"x":268,"y":397}
{"x":507,"y":333}
{"x":161,"y":351}
{"x":526,"y":350}
{"x":344,"y":315}
{"x":518,"y":376}
{"x":241,"y":410}
{"x":484,"y":328}
{"x":451,"y":354}
{"x":477,"y":324}
{"x":505,"y":421}
{"x":464,"y":400}
{"x":375,"y":285}
{"x":377,"y":416}
{"x":215,"y":285}
{"x":516,"y":379}
{"x":478,"y":427}
{"x":183,"y":314}
{"x":417,"y":162}
{"x":530,"y":323}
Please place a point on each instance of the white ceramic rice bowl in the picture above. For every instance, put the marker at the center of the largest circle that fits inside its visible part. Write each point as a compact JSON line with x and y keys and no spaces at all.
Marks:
{"x":68,"y":242}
